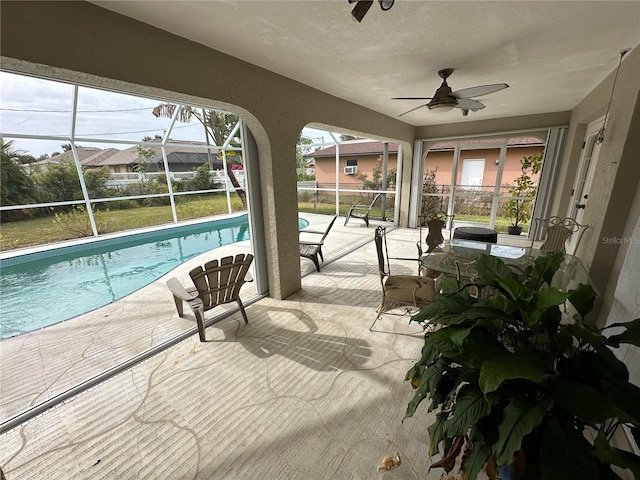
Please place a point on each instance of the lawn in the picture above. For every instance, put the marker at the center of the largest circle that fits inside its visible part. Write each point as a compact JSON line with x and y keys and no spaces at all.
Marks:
{"x":67,"y":226}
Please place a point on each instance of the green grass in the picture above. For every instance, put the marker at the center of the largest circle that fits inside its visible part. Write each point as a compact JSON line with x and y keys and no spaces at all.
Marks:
{"x":501,"y":223}
{"x":67,"y":226}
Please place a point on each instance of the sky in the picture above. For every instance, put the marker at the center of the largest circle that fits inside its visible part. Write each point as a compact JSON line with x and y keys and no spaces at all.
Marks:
{"x":33,"y":106}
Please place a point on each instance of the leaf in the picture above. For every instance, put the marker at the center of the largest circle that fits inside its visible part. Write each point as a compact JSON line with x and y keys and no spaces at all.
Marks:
{"x":429,"y":354}
{"x":549,"y":297}
{"x":475,"y":459}
{"x":515,"y":289}
{"x":435,"y":431}
{"x":442,"y":340}
{"x":492,"y":269}
{"x":520,"y":364}
{"x":584,"y":402}
{"x":449,"y":459}
{"x":631,"y":335}
{"x":582,"y":298}
{"x":564,"y":453}
{"x":615,"y":456}
{"x":586,"y":333}
{"x":544,"y":268}
{"x":470,"y":405}
{"x":520,"y":418}
{"x":428,"y":382}
{"x":610,"y":366}
{"x":443,"y":308}
{"x":626,"y":397}
{"x":451,"y":285}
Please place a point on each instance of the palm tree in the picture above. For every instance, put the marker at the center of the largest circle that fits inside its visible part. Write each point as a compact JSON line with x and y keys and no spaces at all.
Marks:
{"x":16,"y":187}
{"x":217,"y":127}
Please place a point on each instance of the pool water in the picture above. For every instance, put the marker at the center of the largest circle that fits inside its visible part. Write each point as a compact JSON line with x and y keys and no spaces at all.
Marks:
{"x":41,"y":289}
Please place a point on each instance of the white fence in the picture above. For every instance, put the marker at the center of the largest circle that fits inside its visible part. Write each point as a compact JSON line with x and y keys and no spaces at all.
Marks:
{"x":122,"y":179}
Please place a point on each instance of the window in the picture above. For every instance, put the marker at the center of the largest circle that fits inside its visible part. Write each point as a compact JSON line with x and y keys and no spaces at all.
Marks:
{"x":351,"y":166}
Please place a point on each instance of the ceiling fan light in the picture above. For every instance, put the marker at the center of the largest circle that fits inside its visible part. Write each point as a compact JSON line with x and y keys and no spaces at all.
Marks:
{"x":442,"y":104}
{"x":386,"y":4}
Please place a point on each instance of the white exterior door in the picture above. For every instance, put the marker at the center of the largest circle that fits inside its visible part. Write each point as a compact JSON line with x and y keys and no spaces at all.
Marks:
{"x":588,"y":160}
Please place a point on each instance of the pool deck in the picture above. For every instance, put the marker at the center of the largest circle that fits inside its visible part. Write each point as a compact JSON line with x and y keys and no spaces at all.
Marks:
{"x":305,"y":391}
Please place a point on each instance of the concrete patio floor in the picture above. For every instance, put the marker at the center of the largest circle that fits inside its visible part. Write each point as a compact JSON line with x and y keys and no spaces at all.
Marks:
{"x":305,"y":391}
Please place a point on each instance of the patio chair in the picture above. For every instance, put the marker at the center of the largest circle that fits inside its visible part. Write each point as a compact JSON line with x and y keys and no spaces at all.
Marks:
{"x":217,"y":283}
{"x":401,"y":290}
{"x":313,"y":250}
{"x":435,"y":225}
{"x":361,"y":211}
{"x":558,"y":232}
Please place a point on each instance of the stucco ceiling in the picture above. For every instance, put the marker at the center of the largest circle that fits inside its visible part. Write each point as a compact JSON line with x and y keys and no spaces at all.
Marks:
{"x":551,"y":53}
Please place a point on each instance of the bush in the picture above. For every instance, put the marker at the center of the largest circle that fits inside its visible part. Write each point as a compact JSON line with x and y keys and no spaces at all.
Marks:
{"x":76,"y":222}
{"x":59,"y":183}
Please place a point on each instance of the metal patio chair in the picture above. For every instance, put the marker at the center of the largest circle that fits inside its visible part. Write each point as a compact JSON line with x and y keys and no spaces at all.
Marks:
{"x":313,"y":250}
{"x":401,"y":290}
{"x":558,"y":232}
{"x":217,"y":283}
{"x":361,"y":211}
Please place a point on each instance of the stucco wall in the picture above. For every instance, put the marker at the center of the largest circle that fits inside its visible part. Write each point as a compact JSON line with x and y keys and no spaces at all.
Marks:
{"x":81,"y":42}
{"x":616,"y":180}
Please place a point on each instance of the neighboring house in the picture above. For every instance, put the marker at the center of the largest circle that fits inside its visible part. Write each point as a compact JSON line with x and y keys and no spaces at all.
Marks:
{"x":477,"y":166}
{"x":180,"y":159}
{"x":355,"y":159}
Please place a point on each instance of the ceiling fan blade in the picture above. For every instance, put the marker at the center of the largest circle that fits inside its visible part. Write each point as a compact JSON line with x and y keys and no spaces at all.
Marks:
{"x":469,"y":104}
{"x":411,"y":98}
{"x":479,"y":90}
{"x":409,"y":111}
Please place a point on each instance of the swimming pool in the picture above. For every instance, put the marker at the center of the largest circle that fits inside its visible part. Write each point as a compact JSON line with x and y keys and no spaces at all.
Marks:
{"x":44,"y":288}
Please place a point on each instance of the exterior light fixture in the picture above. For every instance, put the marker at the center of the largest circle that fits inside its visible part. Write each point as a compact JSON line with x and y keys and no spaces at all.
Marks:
{"x":600,"y":135}
{"x":363,"y":6}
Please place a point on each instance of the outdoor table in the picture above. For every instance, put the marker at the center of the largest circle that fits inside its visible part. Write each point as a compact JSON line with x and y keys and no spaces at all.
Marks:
{"x":478,"y":234}
{"x":464,"y":252}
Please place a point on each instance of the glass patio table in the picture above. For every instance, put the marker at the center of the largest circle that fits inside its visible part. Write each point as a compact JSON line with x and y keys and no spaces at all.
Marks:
{"x":464,"y":253}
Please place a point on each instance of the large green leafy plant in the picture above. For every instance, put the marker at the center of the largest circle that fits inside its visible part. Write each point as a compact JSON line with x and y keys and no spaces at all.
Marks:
{"x":513,"y":383}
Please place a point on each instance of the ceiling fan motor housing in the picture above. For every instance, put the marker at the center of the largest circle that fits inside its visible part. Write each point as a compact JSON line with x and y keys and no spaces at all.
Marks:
{"x":442,"y":98}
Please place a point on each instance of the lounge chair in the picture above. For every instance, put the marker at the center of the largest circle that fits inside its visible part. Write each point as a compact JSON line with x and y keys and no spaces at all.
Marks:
{"x":313,"y":249}
{"x":217,"y":283}
{"x":361,"y":211}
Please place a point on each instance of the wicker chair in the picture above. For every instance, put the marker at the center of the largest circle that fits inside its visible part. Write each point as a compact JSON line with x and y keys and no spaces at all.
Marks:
{"x":217,"y":283}
{"x":361,"y":211}
{"x":401,"y":290}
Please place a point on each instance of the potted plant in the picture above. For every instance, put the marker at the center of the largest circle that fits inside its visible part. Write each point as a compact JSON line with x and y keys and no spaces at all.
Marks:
{"x":518,"y":209}
{"x":514,"y":387}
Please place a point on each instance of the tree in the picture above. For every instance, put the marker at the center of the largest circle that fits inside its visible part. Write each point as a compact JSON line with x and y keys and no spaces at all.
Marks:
{"x":346,"y":138}
{"x":523,"y":190}
{"x":430,"y":203}
{"x":376,"y":180}
{"x":66,"y":147}
{"x":217,"y":127}
{"x":16,"y":187}
{"x":302,"y":148}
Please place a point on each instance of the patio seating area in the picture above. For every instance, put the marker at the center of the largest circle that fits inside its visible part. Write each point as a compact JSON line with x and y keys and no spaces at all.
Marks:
{"x":303,"y":391}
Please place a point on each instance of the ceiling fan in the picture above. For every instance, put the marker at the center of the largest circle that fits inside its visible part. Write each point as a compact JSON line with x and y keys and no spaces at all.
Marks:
{"x":445,"y":99}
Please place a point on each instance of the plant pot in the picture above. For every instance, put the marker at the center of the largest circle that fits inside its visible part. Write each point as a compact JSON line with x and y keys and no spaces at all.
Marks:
{"x":514,"y":230}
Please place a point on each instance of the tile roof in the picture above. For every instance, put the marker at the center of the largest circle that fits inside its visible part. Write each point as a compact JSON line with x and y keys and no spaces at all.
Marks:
{"x":375,"y":148}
